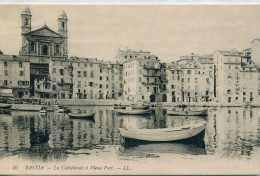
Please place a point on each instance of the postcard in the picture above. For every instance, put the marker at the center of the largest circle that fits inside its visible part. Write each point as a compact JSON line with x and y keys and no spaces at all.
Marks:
{"x":98,"y":89}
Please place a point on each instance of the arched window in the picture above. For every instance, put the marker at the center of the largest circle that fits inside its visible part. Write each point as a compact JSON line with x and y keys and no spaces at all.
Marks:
{"x":62,"y":25}
{"x":57,"y":49}
{"x":45,"y":50}
{"x":26,"y":22}
{"x":32,"y":47}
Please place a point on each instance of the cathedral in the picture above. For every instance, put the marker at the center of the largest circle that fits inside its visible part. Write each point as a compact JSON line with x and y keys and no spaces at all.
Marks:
{"x":44,"y":42}
{"x":42,"y":45}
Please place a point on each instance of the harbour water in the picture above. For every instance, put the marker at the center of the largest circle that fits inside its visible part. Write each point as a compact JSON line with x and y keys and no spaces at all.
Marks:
{"x":232,"y":134}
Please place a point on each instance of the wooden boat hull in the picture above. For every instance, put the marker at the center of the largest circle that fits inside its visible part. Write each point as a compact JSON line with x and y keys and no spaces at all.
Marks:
{"x":134,"y":112}
{"x":188,"y":113}
{"x":82,"y":116}
{"x":164,"y":134}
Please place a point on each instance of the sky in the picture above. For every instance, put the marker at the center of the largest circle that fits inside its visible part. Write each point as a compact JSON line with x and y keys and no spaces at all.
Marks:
{"x":167,"y":31}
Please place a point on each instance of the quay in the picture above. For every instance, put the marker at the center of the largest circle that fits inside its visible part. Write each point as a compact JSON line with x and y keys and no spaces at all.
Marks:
{"x":53,"y":104}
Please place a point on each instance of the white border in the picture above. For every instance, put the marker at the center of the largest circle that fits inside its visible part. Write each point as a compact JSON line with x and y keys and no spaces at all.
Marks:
{"x":234,"y":2}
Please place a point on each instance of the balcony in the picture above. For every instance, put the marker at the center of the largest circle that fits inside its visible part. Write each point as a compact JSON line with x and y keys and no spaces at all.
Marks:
{"x":64,"y":83}
{"x":151,"y":75}
{"x":151,"y":67}
{"x":151,"y":83}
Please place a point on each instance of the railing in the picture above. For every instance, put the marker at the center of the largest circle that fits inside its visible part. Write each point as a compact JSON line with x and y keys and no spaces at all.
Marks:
{"x":151,"y":83}
{"x":151,"y":75}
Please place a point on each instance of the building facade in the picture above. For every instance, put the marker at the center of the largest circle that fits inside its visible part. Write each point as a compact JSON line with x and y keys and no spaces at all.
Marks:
{"x":15,"y":75}
{"x":142,"y":77}
{"x":174,"y":85}
{"x":96,"y":79}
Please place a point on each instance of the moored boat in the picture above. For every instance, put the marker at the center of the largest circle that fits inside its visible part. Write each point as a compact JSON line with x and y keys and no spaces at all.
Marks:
{"x":134,"y":112}
{"x":140,"y":106}
{"x":203,"y":112}
{"x":164,"y":134}
{"x":82,"y":115}
{"x":119,"y":106}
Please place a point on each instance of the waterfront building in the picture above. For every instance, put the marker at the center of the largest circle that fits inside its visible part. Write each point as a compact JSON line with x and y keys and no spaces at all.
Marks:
{"x":255,"y":57}
{"x":117,"y":79}
{"x":197,"y":77}
{"x":96,"y":79}
{"x":236,"y":77}
{"x":58,"y":84}
{"x":228,"y":66}
{"x":142,"y":78}
{"x":250,"y":78}
{"x":15,"y":75}
{"x":174,"y":85}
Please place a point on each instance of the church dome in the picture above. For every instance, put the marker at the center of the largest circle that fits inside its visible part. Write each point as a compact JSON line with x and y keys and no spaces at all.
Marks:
{"x":63,"y":15}
{"x":26,"y":11}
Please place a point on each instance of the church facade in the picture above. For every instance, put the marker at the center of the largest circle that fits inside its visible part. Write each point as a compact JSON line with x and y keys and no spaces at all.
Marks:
{"x":41,"y":46}
{"x":44,"y":42}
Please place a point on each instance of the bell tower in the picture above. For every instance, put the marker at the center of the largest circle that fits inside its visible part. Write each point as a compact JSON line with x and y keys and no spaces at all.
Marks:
{"x":63,"y":30}
{"x":26,"y":27}
{"x":26,"y":20}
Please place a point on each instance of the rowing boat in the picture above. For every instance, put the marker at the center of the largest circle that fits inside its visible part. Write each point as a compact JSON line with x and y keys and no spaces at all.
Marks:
{"x":164,"y":134}
{"x":203,"y":112}
{"x":82,"y":115}
{"x":133,"y":112}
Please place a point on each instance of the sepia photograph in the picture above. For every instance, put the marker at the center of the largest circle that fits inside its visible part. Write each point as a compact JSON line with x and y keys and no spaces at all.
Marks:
{"x":106,"y":89}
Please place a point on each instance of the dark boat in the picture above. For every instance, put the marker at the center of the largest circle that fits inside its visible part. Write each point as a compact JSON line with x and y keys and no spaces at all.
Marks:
{"x":82,"y":115}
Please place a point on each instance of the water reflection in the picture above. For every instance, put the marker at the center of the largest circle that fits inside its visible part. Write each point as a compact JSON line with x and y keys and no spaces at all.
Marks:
{"x":230,"y":133}
{"x":155,"y":149}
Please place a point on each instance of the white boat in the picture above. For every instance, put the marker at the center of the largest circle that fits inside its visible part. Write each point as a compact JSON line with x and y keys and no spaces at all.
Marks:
{"x":164,"y":134}
{"x":203,"y":112}
{"x":134,"y":112}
